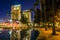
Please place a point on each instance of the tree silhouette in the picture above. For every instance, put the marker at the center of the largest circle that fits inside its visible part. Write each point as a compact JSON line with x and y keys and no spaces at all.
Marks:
{"x":51,"y":7}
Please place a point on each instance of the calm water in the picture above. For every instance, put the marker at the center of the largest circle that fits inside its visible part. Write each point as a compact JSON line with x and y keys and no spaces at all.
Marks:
{"x":4,"y":35}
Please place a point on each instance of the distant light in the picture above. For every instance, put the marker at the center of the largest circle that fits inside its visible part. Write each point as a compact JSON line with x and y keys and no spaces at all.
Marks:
{"x":35,"y":24}
{"x":10,"y":32}
{"x":17,"y":31}
{"x":10,"y":20}
{"x":14,"y":8}
{"x":17,"y":8}
{"x":52,"y":24}
{"x":40,"y":25}
{"x":17,"y":21}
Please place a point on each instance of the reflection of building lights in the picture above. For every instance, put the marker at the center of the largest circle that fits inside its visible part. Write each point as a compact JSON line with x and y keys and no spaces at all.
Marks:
{"x":13,"y":27}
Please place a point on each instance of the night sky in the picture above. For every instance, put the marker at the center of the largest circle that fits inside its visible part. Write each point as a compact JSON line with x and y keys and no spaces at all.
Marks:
{"x":5,"y":6}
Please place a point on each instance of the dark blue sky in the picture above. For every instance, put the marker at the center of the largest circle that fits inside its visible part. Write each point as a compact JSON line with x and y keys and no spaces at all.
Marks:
{"x":5,"y":6}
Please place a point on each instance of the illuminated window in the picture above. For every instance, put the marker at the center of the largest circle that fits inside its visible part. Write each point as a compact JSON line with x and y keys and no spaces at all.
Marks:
{"x":14,"y":8}
{"x":17,"y":8}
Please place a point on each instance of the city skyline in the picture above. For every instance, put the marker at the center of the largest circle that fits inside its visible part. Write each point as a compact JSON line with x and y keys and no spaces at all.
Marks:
{"x":6,"y":6}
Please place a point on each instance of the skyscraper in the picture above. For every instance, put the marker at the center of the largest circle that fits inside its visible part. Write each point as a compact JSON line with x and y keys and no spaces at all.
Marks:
{"x":16,"y":12}
{"x":27,"y":14}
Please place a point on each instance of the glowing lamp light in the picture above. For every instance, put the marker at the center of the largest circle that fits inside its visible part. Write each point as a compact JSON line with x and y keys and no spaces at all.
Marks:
{"x":17,"y":31}
{"x":14,"y":8}
{"x":10,"y":20}
{"x":10,"y":32}
{"x":17,"y":8}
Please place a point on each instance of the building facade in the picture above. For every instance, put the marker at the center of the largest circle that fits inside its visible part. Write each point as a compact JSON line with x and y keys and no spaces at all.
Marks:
{"x":16,"y":12}
{"x":27,"y":14}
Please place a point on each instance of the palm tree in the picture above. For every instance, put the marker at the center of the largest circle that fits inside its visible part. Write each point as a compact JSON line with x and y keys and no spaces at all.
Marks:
{"x":41,"y":20}
{"x":54,"y":32}
{"x":44,"y":10}
{"x":51,"y":13}
{"x":37,"y":12}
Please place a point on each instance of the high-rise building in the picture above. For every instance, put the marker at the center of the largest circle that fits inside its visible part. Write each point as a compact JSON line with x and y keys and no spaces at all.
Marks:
{"x":27,"y":14}
{"x":15,"y":12}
